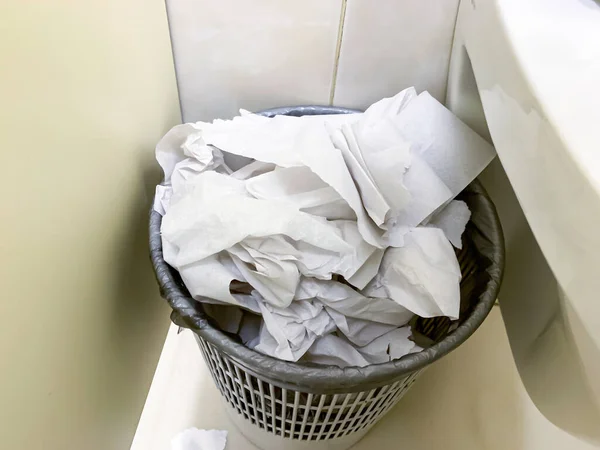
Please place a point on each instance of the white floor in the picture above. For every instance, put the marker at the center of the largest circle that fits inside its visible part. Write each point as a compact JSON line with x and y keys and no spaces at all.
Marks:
{"x":471,"y":400}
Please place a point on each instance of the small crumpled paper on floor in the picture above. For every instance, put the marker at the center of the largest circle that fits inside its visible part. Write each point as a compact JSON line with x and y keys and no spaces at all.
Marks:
{"x":195,"y":439}
{"x":337,"y":231}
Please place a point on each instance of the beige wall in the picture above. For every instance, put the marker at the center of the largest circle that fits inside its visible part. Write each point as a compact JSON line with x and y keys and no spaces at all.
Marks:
{"x":86,"y":89}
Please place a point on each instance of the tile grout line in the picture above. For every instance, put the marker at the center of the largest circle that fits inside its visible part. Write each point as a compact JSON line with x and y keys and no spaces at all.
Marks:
{"x":338,"y":49}
{"x":450,"y":54}
{"x":176,"y":72}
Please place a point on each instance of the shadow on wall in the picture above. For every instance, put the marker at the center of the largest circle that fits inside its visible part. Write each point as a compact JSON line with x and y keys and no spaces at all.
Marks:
{"x":139,"y":317}
{"x":536,"y":322}
{"x":542,"y":346}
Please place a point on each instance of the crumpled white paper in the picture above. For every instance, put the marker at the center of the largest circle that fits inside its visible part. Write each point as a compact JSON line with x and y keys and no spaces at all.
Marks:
{"x":335,"y":350}
{"x":301,"y":187}
{"x":452,"y":220}
{"x":347,"y":301}
{"x":217,"y":215}
{"x":358,"y":331}
{"x":287,"y":333}
{"x":320,"y":307}
{"x":383,"y":153}
{"x":288,"y":142}
{"x":195,"y":439}
{"x":423,"y":276}
{"x":428,"y":192}
{"x":392,"y":345}
{"x":183,"y":154}
{"x":332,"y":233}
{"x":455,"y":152}
{"x":359,"y":318}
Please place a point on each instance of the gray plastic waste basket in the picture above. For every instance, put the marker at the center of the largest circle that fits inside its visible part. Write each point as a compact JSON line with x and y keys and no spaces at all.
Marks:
{"x":279,"y":404}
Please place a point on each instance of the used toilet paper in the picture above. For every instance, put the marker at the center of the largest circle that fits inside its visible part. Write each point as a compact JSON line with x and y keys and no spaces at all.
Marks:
{"x":195,"y":439}
{"x":333,"y":235}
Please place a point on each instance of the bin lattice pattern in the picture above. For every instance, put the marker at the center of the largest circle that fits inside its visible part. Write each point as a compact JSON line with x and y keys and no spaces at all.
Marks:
{"x":299,"y":415}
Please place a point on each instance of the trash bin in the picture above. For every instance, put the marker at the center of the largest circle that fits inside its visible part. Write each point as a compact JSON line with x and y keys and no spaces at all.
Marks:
{"x":279,"y":404}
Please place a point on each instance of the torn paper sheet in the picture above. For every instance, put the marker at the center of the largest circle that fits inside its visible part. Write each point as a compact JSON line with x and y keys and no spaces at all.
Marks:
{"x":367,"y":271}
{"x":182,"y":178}
{"x":347,"y":301}
{"x":319,"y":154}
{"x":162,"y":199}
{"x":284,"y":182}
{"x":338,"y":351}
{"x":253,"y":169}
{"x":386,"y":164}
{"x":275,"y":280}
{"x":347,"y":264}
{"x":195,"y":148}
{"x":168,"y":149}
{"x":291,"y":141}
{"x":389,"y":107}
{"x":377,"y":156}
{"x":270,"y":140}
{"x":331,"y":350}
{"x":358,"y":331}
{"x":325,"y":203}
{"x":428,"y":193}
{"x":216,"y":280}
{"x":452,"y":220}
{"x":455,"y":152}
{"x":195,"y":439}
{"x":423,"y":276}
{"x":310,"y":260}
{"x":215,"y":215}
{"x":287,"y":333}
{"x":300,"y":187}
{"x":178,"y":169}
{"x":273,"y":264}
{"x":372,"y":200}
{"x":380,"y":148}
{"x":210,"y":278}
{"x":182,"y":155}
{"x":185,"y":171}
{"x":392,"y":345}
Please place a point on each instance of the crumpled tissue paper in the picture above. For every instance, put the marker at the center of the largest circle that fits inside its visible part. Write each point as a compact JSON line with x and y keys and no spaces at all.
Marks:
{"x":334,"y":232}
{"x":195,"y":439}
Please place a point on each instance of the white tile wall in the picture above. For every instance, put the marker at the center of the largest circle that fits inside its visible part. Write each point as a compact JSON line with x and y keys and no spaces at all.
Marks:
{"x":232,"y":54}
{"x":388,"y":45}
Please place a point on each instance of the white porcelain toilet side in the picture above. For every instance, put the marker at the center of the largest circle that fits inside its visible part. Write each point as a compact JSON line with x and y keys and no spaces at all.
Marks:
{"x":524,"y":75}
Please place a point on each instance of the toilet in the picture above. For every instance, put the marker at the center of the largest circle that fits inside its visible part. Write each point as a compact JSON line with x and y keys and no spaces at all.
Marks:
{"x":524,"y":74}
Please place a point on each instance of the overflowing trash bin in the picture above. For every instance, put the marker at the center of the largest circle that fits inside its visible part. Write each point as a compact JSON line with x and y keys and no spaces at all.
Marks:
{"x":313,"y":404}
